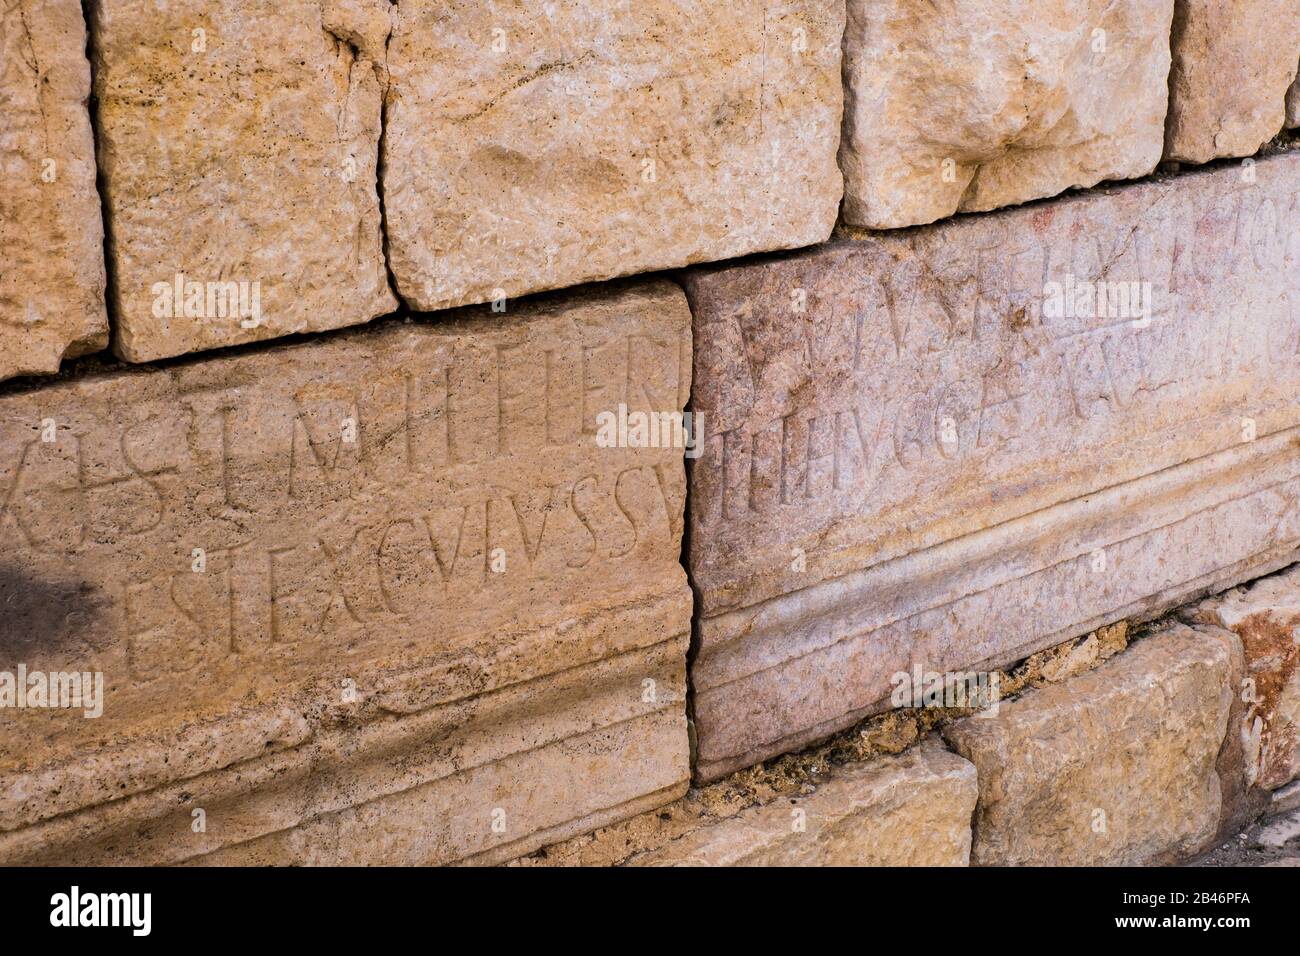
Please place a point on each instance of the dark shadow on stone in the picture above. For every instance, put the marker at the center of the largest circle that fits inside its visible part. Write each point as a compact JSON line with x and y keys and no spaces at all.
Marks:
{"x":41,"y":619}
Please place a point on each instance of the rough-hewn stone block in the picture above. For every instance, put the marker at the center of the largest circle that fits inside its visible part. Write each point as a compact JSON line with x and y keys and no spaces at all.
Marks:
{"x":380,"y":597}
{"x":967,"y":106}
{"x":530,"y":147}
{"x":239,"y":153}
{"x":51,"y":235}
{"x":1114,"y":767}
{"x":952,"y":447}
{"x":1233,"y":61}
{"x":1266,"y":618}
{"x":911,"y":810}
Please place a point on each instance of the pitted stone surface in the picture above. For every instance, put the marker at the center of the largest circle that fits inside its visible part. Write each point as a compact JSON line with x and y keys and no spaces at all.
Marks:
{"x":1112,"y":768}
{"x":384,"y":589}
{"x":51,"y":234}
{"x":956,"y":446}
{"x":239,"y":152}
{"x":1233,"y":62}
{"x":960,"y":106}
{"x":533,"y":146}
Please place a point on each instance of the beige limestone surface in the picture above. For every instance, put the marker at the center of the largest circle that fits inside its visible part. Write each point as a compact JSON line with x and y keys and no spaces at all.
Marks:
{"x":956,"y":446}
{"x":239,"y":149}
{"x":1233,"y":62}
{"x":910,"y":810}
{"x":533,"y":146}
{"x":1115,"y":767}
{"x":379,"y":597}
{"x":966,"y":105}
{"x":51,"y":233}
{"x":793,"y":775}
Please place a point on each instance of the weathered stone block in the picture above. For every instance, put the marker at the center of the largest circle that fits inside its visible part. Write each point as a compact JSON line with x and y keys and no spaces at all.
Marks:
{"x":1233,"y":61}
{"x":957,"y":446}
{"x":384,"y":587}
{"x":239,"y":153}
{"x":51,"y":234}
{"x":969,"y":106}
{"x":910,"y":810}
{"x":1265,"y":617}
{"x":1114,"y":767}
{"x":528,"y":147}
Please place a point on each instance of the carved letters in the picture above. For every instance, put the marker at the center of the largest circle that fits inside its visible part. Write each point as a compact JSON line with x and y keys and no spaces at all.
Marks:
{"x":907,"y":431}
{"x":408,"y":492}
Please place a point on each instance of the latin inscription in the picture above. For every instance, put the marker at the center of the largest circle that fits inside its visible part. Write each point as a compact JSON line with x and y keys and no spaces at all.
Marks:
{"x":235,"y":512}
{"x":944,"y":360}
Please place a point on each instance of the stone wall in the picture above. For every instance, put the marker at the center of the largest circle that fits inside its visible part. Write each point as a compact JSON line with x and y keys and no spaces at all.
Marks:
{"x":436,"y":432}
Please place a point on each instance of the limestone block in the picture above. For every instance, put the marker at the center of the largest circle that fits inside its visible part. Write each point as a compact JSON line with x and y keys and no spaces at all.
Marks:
{"x":51,"y":233}
{"x":966,"y":443}
{"x":1115,"y":767}
{"x":1266,"y":618}
{"x":910,"y":810}
{"x":529,"y":146}
{"x":384,"y":586}
{"x":962,"y":105}
{"x":239,"y":151}
{"x":1233,"y":62}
